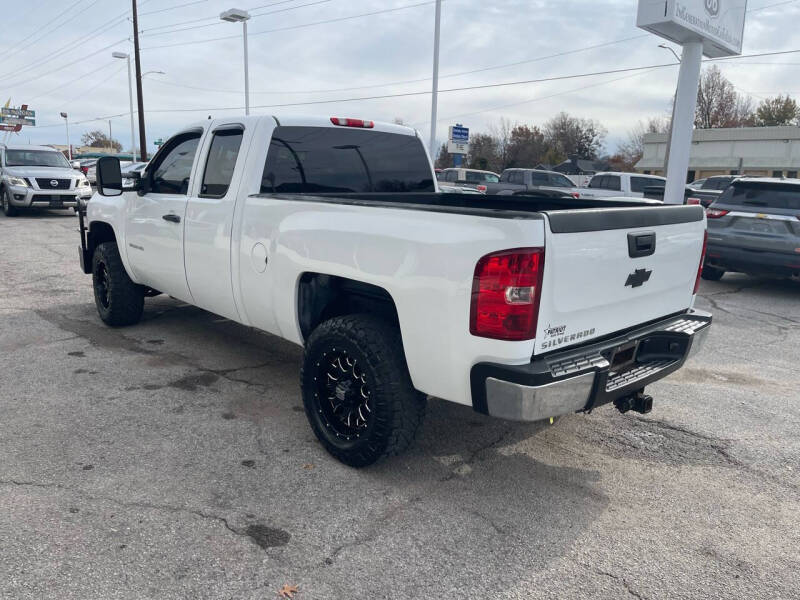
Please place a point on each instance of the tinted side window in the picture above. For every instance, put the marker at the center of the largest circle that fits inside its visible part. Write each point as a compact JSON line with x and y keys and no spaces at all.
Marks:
{"x":515,"y":177}
{"x":221,"y":162}
{"x":451,"y":176}
{"x":639,"y":183}
{"x":560,"y":181}
{"x":612,"y":183}
{"x":171,"y":172}
{"x":597,"y":182}
{"x":476,"y":177}
{"x":309,"y":160}
{"x":540,"y":179}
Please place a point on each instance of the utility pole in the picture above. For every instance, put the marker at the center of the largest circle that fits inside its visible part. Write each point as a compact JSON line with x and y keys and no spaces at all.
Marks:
{"x":110,"y":143}
{"x":435,"y":90}
{"x":139,"y":100}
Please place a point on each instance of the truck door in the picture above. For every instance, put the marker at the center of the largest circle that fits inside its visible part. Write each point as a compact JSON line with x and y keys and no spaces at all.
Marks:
{"x":209,"y":220}
{"x":154,"y":228}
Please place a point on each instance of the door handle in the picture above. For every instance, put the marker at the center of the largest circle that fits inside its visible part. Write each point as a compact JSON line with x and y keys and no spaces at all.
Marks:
{"x":172,"y":218}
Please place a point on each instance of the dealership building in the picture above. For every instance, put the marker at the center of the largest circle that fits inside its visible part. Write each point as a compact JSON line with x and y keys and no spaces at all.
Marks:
{"x":759,"y":151}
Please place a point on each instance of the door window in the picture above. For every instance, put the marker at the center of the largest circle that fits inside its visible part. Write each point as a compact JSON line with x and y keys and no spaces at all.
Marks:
{"x":515,"y":177}
{"x":597,"y":182}
{"x":221,"y":162}
{"x":539,"y":179}
{"x":173,"y":168}
{"x":612,"y":183}
{"x":451,"y":176}
{"x":560,"y":181}
{"x":639,"y":183}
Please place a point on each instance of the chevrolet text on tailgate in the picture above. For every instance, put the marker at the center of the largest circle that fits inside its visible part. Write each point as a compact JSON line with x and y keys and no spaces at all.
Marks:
{"x":330,"y":233}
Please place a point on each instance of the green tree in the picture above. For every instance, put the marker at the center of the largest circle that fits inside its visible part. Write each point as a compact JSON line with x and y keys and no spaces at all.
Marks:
{"x":781,"y":110}
{"x":444,"y":160}
{"x":483,"y":153}
{"x":526,"y":147}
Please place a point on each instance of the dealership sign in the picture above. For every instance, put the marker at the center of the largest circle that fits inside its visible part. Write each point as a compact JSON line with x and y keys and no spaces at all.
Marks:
{"x":718,"y":24}
{"x":13,"y":119}
{"x":458,"y":140}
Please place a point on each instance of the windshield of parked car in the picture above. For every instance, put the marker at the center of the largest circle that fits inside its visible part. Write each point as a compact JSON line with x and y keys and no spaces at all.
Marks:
{"x":308,"y":160}
{"x":35,"y":158}
{"x":762,"y":195}
{"x":481,"y":177}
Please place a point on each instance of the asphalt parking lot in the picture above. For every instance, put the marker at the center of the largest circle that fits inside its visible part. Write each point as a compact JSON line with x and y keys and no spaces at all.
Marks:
{"x":173,"y":460}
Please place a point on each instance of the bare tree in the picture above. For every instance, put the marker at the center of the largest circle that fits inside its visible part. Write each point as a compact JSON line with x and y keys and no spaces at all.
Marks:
{"x":630,"y":151}
{"x":502,"y":137}
{"x":781,"y":110}
{"x":444,"y":160}
{"x":483,"y":153}
{"x":98,"y":139}
{"x":719,"y":104}
{"x":572,"y":136}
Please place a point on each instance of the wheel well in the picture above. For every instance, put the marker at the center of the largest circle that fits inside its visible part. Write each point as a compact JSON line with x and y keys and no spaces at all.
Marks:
{"x":99,"y":232}
{"x":322,"y":297}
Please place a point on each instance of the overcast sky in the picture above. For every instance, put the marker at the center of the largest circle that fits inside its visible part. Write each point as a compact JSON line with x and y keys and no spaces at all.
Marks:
{"x":67,"y":65}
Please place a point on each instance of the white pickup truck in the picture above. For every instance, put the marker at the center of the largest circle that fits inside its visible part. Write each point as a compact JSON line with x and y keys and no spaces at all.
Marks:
{"x":616,"y":185}
{"x":330,"y":233}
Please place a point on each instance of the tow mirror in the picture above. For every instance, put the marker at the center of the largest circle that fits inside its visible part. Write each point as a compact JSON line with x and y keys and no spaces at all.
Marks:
{"x":109,"y":176}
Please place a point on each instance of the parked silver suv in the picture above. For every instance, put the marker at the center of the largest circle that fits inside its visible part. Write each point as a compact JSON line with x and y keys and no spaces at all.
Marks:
{"x":754,"y":227}
{"x":39,"y":176}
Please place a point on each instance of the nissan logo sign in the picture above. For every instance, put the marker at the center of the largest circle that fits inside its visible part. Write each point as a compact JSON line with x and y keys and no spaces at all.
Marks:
{"x":712,"y":7}
{"x":54,"y":183}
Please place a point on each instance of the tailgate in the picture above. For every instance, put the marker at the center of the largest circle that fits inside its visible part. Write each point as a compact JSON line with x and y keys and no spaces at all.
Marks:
{"x":610,"y":269}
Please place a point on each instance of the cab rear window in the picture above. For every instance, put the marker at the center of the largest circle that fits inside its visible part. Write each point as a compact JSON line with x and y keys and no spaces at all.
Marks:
{"x":762,"y":195}
{"x":316,"y":160}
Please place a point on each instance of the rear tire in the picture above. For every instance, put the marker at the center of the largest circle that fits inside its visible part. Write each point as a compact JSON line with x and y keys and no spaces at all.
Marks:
{"x":8,"y":209}
{"x":712,"y":273}
{"x":119,"y":300}
{"x":357,"y":392}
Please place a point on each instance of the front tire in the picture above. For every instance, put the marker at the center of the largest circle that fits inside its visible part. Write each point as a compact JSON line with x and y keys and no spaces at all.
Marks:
{"x":357,"y":392}
{"x":712,"y":273}
{"x":119,"y":300}
{"x":8,"y":209}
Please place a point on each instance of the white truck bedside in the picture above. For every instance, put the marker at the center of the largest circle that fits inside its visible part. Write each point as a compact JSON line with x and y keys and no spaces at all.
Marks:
{"x":330,"y":233}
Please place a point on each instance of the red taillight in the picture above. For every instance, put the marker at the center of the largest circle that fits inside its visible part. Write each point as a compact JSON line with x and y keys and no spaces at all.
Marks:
{"x":716,"y":213}
{"x":576,"y":195}
{"x":702,"y":260}
{"x":352,"y":123}
{"x":85,"y":170}
{"x":693,"y":201}
{"x":482,"y":188}
{"x":506,"y":291}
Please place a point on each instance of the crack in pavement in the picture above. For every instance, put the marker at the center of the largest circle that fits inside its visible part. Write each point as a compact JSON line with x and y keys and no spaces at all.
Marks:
{"x":143,"y":505}
{"x":622,"y":580}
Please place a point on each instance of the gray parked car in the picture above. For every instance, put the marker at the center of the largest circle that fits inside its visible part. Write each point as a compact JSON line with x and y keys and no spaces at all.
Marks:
{"x":517,"y":181}
{"x":754,"y":227}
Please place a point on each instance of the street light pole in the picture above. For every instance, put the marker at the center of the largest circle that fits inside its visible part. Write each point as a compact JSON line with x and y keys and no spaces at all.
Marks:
{"x":69,"y":146}
{"x":435,"y":90}
{"x":672,"y":118}
{"x":130,"y":98}
{"x":237,"y":15}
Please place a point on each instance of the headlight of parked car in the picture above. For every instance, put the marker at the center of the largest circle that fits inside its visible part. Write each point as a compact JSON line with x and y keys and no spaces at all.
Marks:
{"x":83,"y":183}
{"x":18,"y":181}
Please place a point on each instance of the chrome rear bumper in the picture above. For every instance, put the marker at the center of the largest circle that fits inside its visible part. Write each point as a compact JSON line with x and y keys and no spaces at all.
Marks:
{"x":583,"y":378}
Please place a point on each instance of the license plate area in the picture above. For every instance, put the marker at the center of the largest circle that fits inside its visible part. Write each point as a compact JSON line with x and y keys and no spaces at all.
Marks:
{"x":56,"y":203}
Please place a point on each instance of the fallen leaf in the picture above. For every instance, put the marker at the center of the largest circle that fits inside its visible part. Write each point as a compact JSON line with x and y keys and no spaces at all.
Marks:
{"x":308,"y":466}
{"x":288,"y":591}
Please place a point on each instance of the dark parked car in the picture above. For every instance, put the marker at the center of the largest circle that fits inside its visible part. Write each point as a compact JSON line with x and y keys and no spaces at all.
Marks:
{"x":754,"y":227}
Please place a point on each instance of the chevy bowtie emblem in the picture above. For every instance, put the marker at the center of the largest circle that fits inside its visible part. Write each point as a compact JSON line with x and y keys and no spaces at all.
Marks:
{"x":638,"y":278}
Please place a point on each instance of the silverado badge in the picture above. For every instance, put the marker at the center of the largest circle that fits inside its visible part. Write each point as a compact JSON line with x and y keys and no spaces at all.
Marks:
{"x":638,"y":278}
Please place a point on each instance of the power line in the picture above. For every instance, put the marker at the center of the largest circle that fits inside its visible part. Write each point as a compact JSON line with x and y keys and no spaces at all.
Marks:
{"x":79,"y":41}
{"x":336,"y":20}
{"x":423,"y":79}
{"x":218,"y":22}
{"x":758,"y":8}
{"x":214,"y":18}
{"x":61,"y":24}
{"x":160,"y":10}
{"x":20,"y":47}
{"x":17,"y":84}
{"x":73,"y":80}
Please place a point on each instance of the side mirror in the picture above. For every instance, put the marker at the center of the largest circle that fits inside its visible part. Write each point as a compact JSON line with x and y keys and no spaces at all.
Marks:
{"x":109,"y":176}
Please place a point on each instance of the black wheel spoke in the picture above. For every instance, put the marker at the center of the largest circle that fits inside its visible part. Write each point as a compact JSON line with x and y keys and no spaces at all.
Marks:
{"x":344,"y":385}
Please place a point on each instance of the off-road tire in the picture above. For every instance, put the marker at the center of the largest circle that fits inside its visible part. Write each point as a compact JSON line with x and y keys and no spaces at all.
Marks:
{"x":8,"y":209}
{"x":119,"y":300}
{"x":712,"y":273}
{"x":396,"y":409}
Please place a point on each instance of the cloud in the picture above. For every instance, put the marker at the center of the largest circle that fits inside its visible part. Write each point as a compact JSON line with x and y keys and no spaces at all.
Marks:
{"x":378,"y":49}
